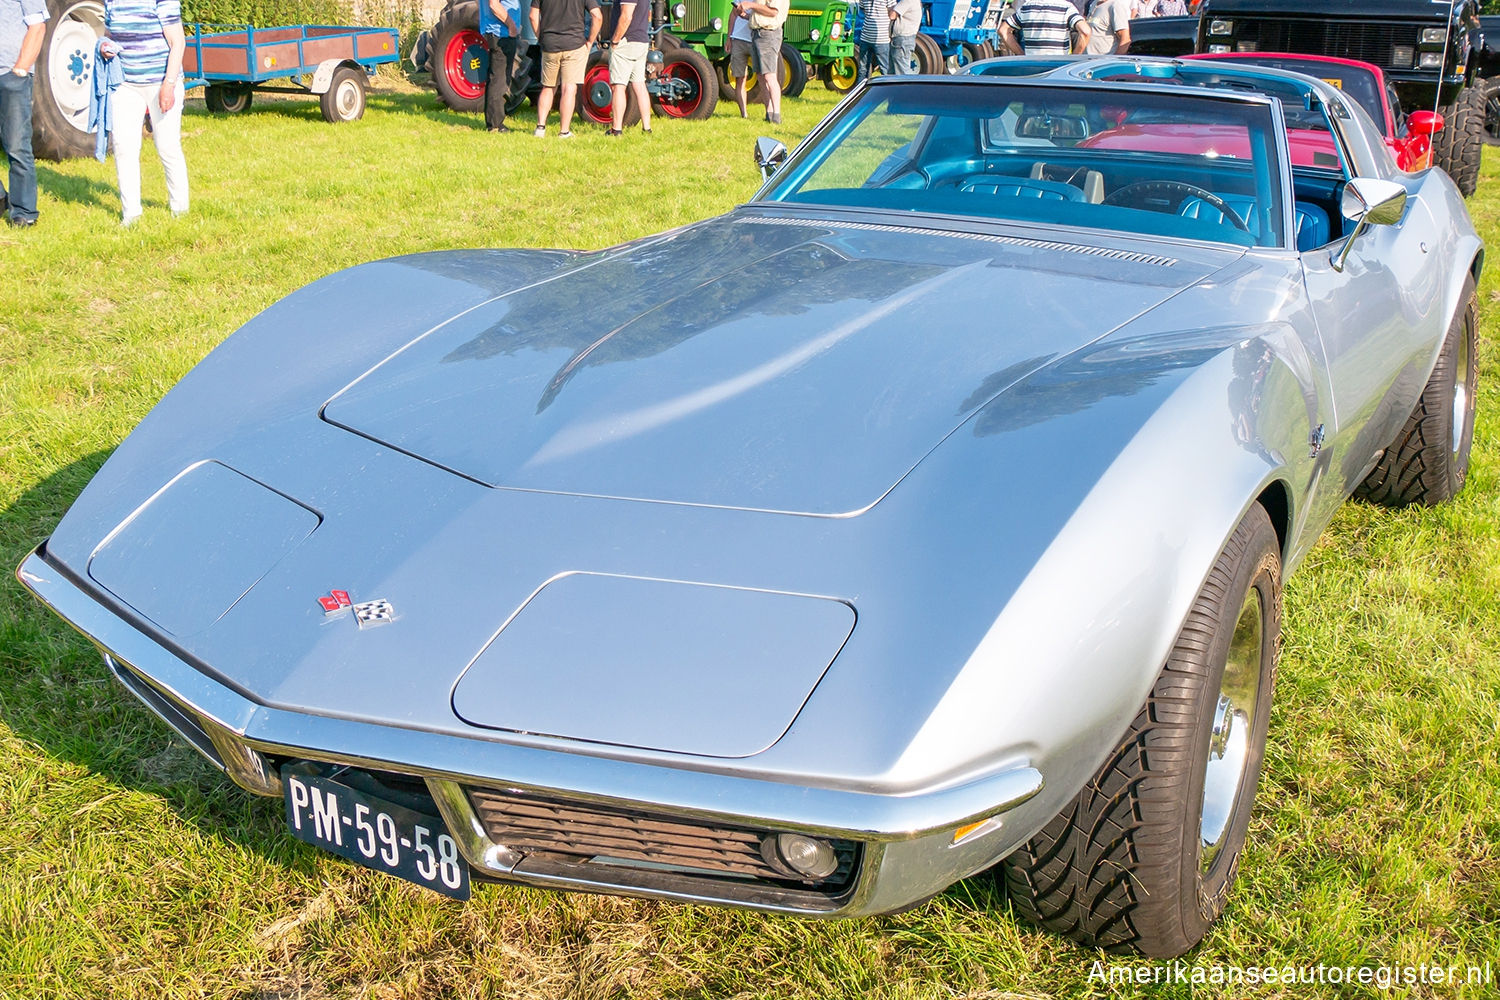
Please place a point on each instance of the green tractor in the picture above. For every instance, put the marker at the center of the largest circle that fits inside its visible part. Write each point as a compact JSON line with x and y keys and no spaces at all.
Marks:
{"x":816,"y":39}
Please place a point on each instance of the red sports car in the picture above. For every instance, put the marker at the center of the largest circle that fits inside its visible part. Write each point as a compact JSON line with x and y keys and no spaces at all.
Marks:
{"x":1408,"y":135}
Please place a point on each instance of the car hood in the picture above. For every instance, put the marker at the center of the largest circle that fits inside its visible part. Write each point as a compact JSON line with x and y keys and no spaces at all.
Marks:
{"x":756,"y":361}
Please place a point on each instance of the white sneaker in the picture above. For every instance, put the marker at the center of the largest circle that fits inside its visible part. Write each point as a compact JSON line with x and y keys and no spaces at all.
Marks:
{"x":541,"y":130}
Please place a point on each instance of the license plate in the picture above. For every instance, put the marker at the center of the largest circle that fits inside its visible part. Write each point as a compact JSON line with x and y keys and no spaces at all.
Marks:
{"x":375,"y":833}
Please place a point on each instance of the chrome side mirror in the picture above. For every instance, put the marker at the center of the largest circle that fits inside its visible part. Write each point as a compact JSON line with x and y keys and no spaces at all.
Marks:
{"x":769,"y":154}
{"x":1368,"y":201}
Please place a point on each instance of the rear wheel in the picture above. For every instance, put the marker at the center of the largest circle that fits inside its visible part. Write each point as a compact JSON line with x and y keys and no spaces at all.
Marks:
{"x":596,"y":94}
{"x":841,"y":75}
{"x":344,"y":100}
{"x":927,"y":57}
{"x":1458,"y":146}
{"x":971,"y":53}
{"x":1429,"y":460}
{"x":1143,"y":859}
{"x":63,"y":79}
{"x":692,"y":92}
{"x":227,"y":98}
{"x":460,"y":59}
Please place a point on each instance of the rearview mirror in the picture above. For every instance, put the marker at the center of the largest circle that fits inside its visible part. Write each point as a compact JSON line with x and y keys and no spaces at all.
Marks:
{"x":769,"y":154}
{"x":1424,"y":123}
{"x":1369,"y":201}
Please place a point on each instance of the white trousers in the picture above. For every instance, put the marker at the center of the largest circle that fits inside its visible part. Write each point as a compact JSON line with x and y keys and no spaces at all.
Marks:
{"x":132,"y":102}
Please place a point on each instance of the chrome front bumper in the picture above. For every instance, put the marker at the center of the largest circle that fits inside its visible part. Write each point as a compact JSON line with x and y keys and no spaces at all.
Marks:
{"x":908,"y":840}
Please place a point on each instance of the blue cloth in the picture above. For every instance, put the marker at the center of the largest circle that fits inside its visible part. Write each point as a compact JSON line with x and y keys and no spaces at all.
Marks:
{"x":108,"y":76}
{"x":489,"y":24}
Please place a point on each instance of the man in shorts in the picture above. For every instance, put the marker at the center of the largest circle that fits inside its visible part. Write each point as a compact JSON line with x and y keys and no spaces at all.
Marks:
{"x":741,"y":45}
{"x":629,"y":40}
{"x":566,"y":30}
{"x":766,"y":20}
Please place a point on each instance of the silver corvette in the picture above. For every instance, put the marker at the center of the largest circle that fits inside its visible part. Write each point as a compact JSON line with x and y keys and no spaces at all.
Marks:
{"x":925,"y":515}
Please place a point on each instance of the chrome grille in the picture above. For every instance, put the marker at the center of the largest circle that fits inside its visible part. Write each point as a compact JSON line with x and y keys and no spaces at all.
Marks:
{"x":576,"y":832}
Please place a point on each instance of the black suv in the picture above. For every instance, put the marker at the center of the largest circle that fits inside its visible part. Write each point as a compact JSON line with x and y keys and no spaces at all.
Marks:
{"x":1429,"y":50}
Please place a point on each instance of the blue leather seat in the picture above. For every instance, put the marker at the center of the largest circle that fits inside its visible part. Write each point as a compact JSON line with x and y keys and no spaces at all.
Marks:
{"x":1312,"y":222}
{"x":1313,"y":229}
{"x":1021,"y":187}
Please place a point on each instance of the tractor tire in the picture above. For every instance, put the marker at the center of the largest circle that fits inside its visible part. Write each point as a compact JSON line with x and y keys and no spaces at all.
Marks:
{"x":971,"y":53}
{"x":63,"y":78}
{"x":344,"y":100}
{"x":228,"y":98}
{"x":460,"y":60}
{"x":1458,"y":146}
{"x":595,"y":95}
{"x":841,"y":75}
{"x":928,"y":57}
{"x":794,"y":71}
{"x":702,"y":96}
{"x":1143,"y":858}
{"x":1429,"y":460}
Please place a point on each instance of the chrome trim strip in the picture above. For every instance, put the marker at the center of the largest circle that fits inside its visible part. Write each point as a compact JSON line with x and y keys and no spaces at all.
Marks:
{"x":719,"y":797}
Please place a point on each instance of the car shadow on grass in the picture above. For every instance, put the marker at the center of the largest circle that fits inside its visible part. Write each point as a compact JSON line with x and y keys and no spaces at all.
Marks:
{"x":57,"y":694}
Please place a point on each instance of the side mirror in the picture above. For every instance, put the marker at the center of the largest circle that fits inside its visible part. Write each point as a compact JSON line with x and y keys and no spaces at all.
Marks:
{"x":1424,"y":123}
{"x":1369,"y":201}
{"x":769,"y":154}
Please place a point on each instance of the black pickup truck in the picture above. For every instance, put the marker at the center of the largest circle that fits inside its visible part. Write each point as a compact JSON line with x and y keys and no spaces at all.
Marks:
{"x":1433,"y":52}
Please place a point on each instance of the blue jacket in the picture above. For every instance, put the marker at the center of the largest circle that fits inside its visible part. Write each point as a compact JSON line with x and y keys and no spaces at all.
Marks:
{"x":108,"y":76}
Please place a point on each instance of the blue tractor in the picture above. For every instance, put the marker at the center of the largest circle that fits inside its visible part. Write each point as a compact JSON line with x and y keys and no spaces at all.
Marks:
{"x":954,"y":33}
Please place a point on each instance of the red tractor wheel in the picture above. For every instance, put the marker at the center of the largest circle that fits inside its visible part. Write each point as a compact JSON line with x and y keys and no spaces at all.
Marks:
{"x":460,"y":59}
{"x":694,"y":89}
{"x":595,"y":95}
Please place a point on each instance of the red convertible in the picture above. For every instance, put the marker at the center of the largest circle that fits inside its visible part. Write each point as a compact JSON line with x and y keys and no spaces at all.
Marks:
{"x":1408,"y":135}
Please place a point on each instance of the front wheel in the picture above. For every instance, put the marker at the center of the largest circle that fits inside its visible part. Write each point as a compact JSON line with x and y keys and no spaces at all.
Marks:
{"x":793,"y":71}
{"x":689,"y":87}
{"x":1458,"y":146}
{"x":1429,"y":460}
{"x":1143,"y":859}
{"x":1491,"y":111}
{"x":927,"y":57}
{"x":344,"y":100}
{"x":841,"y":75}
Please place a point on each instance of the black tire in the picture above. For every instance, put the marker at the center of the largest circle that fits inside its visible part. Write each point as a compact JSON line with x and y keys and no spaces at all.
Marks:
{"x":1429,"y":460}
{"x":459,"y":58}
{"x":60,"y":87}
{"x":841,"y":75}
{"x":1458,"y":146}
{"x":227,"y":98}
{"x":794,"y":68}
{"x":595,"y":95}
{"x":702,"y":92}
{"x":1124,"y":866}
{"x":929,"y":57}
{"x":1491,"y":111}
{"x":344,"y":101}
{"x":726,"y":82}
{"x":974,"y":53}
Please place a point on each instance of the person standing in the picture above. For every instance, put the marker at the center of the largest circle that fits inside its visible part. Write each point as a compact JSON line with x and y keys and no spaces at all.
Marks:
{"x":1109,"y":27}
{"x":766,"y":20}
{"x":741,"y":47}
{"x":629,"y":41}
{"x":500,"y":24}
{"x":22,"y":25}
{"x":566,"y":31}
{"x":904,"y":34}
{"x":1044,"y":27}
{"x":146,"y":36}
{"x":874,"y":44}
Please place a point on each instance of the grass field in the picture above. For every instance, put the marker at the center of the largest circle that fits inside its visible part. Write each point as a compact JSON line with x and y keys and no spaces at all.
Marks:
{"x":130,"y":869}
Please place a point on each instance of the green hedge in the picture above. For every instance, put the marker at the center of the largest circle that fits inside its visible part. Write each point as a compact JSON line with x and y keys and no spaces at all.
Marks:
{"x":403,"y":14}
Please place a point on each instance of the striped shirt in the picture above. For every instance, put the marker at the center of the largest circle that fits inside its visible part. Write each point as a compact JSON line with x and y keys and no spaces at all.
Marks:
{"x":137,"y":27}
{"x":875,"y":21}
{"x":1044,"y":26}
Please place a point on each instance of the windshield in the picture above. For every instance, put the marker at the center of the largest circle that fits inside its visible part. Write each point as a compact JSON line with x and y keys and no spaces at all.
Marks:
{"x":1173,"y":165}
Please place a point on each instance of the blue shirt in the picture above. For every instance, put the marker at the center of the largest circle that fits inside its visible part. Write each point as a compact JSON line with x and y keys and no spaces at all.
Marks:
{"x":489,"y":24}
{"x":15,"y":17}
{"x":137,"y":26}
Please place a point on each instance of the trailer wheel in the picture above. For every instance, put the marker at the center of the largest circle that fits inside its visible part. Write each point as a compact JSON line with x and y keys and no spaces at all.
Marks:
{"x":344,"y":100}
{"x":64,"y":74}
{"x":928,"y":57}
{"x":841,"y":75}
{"x":460,"y":60}
{"x":227,"y":98}
{"x":1458,"y":146}
{"x":701,"y":95}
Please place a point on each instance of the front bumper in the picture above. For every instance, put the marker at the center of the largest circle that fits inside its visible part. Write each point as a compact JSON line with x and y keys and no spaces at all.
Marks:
{"x":906,"y":841}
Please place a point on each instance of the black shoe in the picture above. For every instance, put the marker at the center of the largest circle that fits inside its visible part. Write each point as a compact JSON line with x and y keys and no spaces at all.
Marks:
{"x":16,"y":223}
{"x":615,"y":131}
{"x":4,"y":204}
{"x":499,"y":128}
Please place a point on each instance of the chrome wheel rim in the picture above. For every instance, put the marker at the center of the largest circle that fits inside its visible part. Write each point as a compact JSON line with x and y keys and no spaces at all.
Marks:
{"x":1461,"y":394}
{"x":1228,"y":760}
{"x":70,"y":60}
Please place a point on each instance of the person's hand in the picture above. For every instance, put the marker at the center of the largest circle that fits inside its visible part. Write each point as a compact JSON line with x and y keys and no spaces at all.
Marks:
{"x":168,"y":95}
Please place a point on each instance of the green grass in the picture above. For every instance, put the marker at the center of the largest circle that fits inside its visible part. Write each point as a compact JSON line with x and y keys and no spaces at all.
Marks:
{"x":129,"y":868}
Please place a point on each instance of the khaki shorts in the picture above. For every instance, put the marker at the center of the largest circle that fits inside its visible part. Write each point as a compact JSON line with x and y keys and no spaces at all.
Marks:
{"x":768,"y":51}
{"x":627,"y":63}
{"x":569,"y":65}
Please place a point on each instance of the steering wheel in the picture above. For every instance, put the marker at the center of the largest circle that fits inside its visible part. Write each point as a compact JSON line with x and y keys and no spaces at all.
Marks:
{"x":1141,"y":190}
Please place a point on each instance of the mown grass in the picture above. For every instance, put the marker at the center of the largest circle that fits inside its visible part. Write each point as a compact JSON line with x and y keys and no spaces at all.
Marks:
{"x":128,"y":868}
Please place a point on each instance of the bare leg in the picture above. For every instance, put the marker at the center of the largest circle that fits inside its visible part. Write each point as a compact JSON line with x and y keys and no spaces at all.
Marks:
{"x":617,"y":106}
{"x":638,"y":87}
{"x":773,"y":93}
{"x":544,"y":106}
{"x":565,"y":106}
{"x":739,"y":95}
